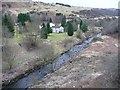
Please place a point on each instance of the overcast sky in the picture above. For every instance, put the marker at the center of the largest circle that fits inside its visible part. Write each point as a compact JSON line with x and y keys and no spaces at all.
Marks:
{"x":87,"y":3}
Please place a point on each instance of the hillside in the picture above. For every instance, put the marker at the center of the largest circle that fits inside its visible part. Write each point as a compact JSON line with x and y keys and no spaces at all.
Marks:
{"x":96,"y":67}
{"x":25,"y":50}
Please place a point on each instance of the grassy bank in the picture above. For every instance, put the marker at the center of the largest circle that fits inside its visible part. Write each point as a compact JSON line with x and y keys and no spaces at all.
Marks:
{"x":45,"y":51}
{"x":57,"y":36}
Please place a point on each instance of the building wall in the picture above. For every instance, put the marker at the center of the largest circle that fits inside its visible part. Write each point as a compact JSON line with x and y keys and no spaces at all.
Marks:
{"x":57,"y":30}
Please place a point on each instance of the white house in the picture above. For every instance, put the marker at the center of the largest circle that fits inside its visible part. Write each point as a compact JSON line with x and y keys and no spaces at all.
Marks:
{"x":40,"y":26}
{"x":52,"y":24}
{"x":57,"y":29}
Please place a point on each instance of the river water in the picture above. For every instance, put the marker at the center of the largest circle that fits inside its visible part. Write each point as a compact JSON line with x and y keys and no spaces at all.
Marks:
{"x":37,"y":75}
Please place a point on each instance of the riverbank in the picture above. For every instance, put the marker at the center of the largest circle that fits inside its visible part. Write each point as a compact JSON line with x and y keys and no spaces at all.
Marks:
{"x":96,"y":67}
{"x":39,"y":74}
{"x":32,"y":60}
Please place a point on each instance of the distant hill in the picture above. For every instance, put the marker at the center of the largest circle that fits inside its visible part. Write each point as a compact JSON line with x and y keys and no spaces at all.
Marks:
{"x":97,"y":12}
{"x":16,"y":0}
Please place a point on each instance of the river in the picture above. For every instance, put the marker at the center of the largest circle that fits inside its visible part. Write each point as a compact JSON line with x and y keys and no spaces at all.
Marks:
{"x":37,"y":75}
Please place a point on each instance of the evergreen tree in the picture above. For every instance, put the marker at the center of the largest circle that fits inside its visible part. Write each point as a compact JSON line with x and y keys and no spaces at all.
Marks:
{"x":49,"y":28}
{"x":70,"y":29}
{"x":8,"y":22}
{"x":50,"y":20}
{"x":23,"y":17}
{"x":81,"y":23}
{"x":83,"y":27}
{"x":63,"y":22}
{"x":43,"y":25}
{"x":44,"y":33}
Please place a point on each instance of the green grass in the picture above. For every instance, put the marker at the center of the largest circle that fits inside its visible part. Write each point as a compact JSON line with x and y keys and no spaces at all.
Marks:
{"x":17,"y":38}
{"x":57,"y":36}
{"x":51,"y":36}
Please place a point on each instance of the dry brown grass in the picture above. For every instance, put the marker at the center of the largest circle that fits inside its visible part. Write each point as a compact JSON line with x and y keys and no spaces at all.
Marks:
{"x":96,"y":67}
{"x":69,"y":42}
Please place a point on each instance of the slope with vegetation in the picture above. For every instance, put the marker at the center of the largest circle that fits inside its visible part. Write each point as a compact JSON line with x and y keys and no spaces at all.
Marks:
{"x":96,"y":67}
{"x":32,"y":47}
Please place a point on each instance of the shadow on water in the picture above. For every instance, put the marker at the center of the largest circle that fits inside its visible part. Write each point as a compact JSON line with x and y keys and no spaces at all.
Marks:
{"x":37,"y":75}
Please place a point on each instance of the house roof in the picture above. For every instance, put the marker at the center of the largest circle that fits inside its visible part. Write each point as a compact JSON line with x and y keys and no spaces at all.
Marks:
{"x":56,"y":26}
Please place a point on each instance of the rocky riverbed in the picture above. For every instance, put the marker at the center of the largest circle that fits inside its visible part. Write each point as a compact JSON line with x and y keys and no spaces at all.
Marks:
{"x":96,"y":67}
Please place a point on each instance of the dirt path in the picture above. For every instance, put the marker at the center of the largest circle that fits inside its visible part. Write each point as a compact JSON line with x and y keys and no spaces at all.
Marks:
{"x":95,"y":68}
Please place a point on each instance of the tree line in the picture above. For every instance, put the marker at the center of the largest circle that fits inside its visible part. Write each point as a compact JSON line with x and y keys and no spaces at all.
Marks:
{"x":46,"y":29}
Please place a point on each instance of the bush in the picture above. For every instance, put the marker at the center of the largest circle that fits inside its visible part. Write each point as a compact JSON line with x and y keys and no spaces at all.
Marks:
{"x":78,"y":34}
{"x":29,"y":42}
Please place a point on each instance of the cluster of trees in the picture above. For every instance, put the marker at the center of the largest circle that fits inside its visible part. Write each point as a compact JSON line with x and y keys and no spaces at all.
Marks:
{"x":82,"y":28}
{"x":70,"y":26}
{"x":23,"y":17}
{"x":73,"y":26}
{"x":8,"y":22}
{"x":46,"y":29}
{"x":67,"y":25}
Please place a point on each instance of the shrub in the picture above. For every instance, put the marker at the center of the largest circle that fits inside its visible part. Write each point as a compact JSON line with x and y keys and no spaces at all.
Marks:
{"x":29,"y":42}
{"x":78,"y":34}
